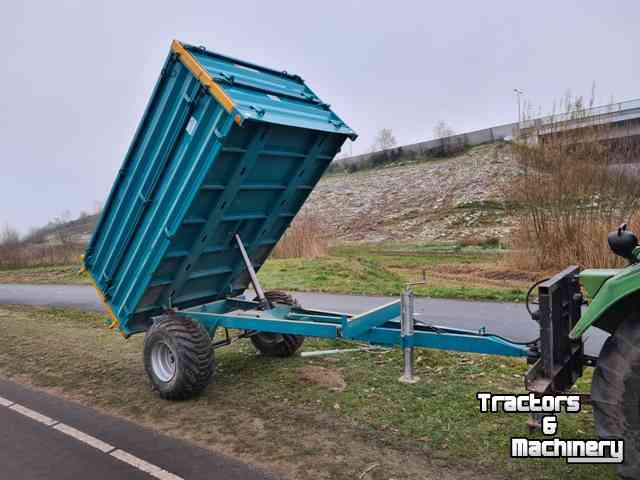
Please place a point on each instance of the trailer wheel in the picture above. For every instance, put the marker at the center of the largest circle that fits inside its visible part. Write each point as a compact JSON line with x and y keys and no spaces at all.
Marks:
{"x":615,"y":394}
{"x":178,"y":358}
{"x":278,"y":344}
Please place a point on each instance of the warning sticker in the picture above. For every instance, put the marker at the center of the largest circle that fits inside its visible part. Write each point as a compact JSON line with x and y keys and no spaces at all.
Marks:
{"x":191,"y":126}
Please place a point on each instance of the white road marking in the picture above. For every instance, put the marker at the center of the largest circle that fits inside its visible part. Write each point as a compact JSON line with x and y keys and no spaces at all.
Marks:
{"x":84,"y":438}
{"x":144,"y":466}
{"x":38,"y":417}
{"x":94,"y":442}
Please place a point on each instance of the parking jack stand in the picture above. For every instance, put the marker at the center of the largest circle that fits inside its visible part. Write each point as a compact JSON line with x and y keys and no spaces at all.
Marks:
{"x":406,"y":333}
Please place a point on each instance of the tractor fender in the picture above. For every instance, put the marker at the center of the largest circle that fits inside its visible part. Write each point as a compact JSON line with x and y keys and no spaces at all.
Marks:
{"x":617,"y":297}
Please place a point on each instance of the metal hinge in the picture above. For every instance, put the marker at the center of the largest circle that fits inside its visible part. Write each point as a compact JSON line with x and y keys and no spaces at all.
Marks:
{"x":225,"y":77}
{"x":259,"y":111}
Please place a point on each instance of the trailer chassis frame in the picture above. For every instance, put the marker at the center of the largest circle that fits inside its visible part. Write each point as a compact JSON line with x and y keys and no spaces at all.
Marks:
{"x":379,"y":326}
{"x":557,"y":360}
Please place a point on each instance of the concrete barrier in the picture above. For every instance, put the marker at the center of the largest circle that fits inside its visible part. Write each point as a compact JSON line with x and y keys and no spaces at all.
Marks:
{"x":470,"y":139}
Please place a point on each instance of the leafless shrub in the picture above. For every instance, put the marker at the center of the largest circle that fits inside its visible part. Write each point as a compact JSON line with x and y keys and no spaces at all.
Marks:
{"x":9,"y":244}
{"x":51,"y":245}
{"x":62,"y":234}
{"x":442,"y":129}
{"x":26,"y":255}
{"x":9,"y":236}
{"x":384,"y":140}
{"x":451,"y":144}
{"x":307,"y":237}
{"x":572,"y":192}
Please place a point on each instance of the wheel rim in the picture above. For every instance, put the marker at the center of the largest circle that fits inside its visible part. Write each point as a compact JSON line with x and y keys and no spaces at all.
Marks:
{"x":163,"y":362}
{"x":270,"y":338}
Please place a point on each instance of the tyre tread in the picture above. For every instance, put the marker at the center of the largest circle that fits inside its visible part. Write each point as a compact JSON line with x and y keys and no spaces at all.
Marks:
{"x":289,"y":343}
{"x":615,"y":393}
{"x":196,"y":358}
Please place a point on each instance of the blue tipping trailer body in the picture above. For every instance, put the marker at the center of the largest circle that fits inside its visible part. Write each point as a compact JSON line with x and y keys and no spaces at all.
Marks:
{"x":227,"y":147}
{"x":224,"y":147}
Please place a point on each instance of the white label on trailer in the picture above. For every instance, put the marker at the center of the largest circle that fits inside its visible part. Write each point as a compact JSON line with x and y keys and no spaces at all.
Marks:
{"x":273,"y":97}
{"x":191,"y":126}
{"x":249,"y":69}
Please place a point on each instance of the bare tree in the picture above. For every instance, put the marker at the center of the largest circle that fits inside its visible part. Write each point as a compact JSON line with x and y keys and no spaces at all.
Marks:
{"x":33,"y":235}
{"x":10,"y":249}
{"x":62,"y":232}
{"x":384,"y":140}
{"x":451,"y":143}
{"x":442,"y":130}
{"x":9,"y":236}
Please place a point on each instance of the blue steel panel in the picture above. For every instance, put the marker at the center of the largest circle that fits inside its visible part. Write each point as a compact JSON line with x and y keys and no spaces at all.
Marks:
{"x":269,"y":95}
{"x":456,"y":342}
{"x":197,"y":173}
{"x":126,"y":201}
{"x":359,"y":324}
{"x":265,"y":324}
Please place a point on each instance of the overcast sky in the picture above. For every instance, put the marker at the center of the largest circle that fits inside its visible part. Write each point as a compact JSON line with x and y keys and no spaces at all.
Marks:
{"x":76,"y":75}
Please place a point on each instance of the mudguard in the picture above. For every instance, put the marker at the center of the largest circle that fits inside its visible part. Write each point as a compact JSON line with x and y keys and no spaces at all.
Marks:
{"x":610,"y":295}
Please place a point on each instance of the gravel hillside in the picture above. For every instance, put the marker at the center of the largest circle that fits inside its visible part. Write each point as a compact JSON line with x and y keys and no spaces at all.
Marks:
{"x":457,"y":198}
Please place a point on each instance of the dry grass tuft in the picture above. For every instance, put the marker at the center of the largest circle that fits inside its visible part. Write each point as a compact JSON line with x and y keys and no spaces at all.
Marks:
{"x":26,"y":255}
{"x":307,"y":237}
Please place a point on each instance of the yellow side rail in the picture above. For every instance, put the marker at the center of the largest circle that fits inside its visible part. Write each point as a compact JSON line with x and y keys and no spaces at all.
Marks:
{"x":115,"y":323}
{"x":203,"y":76}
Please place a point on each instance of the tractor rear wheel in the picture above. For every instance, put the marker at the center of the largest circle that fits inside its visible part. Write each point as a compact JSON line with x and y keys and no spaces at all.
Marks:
{"x":615,"y":394}
{"x":178,"y":357}
{"x":278,"y":344}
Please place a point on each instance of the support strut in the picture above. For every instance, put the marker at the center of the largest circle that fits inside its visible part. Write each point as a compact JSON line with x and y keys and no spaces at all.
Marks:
{"x":264,"y":302}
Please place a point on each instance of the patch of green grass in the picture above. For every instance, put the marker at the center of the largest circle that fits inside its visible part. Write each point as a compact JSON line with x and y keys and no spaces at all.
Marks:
{"x":473,"y":293}
{"x":366,"y":276}
{"x":281,"y":420}
{"x":443,"y":249}
{"x":383,"y":269}
{"x":330,"y":274}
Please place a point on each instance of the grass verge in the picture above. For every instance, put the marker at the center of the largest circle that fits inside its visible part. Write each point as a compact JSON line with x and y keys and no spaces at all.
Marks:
{"x":305,"y":418}
{"x":59,"y":274}
{"x":453,"y":271}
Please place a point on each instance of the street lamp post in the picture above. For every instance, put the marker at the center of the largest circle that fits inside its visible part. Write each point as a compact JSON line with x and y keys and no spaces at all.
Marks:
{"x":518,"y":93}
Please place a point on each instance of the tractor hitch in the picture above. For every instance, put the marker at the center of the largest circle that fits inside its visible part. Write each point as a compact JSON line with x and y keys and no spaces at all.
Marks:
{"x":561,"y":360}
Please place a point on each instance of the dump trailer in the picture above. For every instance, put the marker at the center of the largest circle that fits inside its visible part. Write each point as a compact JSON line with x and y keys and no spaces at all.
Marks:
{"x":225,"y":156}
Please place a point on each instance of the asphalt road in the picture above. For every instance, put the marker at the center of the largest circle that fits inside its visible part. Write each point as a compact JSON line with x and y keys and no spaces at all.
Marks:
{"x":507,"y":319}
{"x":107,"y":447}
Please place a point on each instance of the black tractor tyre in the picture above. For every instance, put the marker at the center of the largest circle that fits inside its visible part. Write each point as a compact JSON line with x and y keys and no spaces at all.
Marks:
{"x":278,"y":344}
{"x":615,"y":394}
{"x":178,"y":357}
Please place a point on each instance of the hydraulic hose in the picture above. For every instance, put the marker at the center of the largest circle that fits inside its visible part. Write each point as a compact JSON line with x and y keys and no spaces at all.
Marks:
{"x":480,"y":334}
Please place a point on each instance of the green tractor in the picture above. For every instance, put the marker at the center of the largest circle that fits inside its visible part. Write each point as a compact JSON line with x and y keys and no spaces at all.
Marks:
{"x":613,"y":306}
